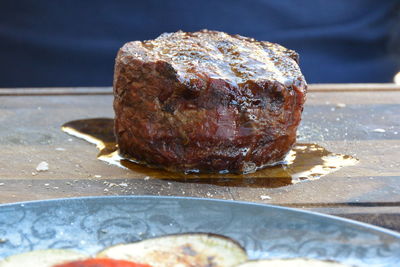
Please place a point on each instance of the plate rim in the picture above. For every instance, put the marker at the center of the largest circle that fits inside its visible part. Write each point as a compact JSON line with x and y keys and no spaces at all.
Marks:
{"x":363,"y":225}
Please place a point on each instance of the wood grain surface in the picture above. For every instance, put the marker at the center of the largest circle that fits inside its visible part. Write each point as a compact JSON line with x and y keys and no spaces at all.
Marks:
{"x":358,"y":120}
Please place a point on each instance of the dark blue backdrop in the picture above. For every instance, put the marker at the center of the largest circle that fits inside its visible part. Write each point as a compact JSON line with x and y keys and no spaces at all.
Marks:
{"x":74,"y":43}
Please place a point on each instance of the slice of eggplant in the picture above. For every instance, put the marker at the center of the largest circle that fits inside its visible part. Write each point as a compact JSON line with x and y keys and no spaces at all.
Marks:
{"x":41,"y":258}
{"x":295,"y":262}
{"x":198,"y":249}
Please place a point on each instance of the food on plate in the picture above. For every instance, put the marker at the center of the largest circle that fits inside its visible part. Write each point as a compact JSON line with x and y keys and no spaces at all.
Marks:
{"x":296,"y":262}
{"x":180,"y":250}
{"x":101,"y":263}
{"x":41,"y":258}
{"x":207,"y":101}
{"x":184,"y":250}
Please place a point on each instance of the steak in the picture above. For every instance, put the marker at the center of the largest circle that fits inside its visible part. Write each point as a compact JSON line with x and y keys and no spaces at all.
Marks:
{"x":207,"y":101}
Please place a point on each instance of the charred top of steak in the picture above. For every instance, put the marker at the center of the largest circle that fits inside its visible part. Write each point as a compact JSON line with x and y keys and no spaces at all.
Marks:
{"x":233,"y":58}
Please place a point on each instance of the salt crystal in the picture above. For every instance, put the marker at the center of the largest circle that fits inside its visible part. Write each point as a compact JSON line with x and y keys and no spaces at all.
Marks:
{"x":1,"y":183}
{"x":60,"y":149}
{"x":123,"y":184}
{"x":379,"y":130}
{"x":265,"y":197}
{"x":146,"y":178}
{"x":42,"y":166}
{"x":97,"y":176}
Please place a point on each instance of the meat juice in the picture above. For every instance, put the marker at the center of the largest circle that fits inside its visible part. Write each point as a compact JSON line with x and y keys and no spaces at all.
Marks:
{"x":305,"y":162}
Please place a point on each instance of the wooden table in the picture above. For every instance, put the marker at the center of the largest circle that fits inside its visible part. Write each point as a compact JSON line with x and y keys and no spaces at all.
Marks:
{"x":343,"y":118}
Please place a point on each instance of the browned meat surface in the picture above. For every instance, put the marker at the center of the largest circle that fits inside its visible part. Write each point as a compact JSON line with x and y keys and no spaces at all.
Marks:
{"x":207,"y":101}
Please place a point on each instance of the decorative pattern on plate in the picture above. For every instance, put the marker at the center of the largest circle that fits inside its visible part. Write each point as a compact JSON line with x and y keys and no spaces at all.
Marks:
{"x":90,"y":224}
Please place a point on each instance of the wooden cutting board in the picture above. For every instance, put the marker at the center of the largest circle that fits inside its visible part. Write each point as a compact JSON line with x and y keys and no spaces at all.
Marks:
{"x":360,"y":120}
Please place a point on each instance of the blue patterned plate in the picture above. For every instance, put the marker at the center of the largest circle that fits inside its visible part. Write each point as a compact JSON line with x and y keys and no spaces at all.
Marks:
{"x":90,"y":224}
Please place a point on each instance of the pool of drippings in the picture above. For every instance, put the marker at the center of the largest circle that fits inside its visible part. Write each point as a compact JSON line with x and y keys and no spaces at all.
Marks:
{"x":305,"y":162}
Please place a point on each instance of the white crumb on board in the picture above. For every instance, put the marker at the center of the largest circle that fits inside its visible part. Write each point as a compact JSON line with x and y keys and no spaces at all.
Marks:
{"x":264,"y":197}
{"x":42,"y":166}
{"x":340,"y":105}
{"x":379,"y":130}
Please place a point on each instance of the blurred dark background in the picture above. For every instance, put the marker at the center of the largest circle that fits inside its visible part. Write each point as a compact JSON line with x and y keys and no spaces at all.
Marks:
{"x":73,"y":43}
